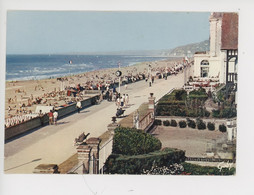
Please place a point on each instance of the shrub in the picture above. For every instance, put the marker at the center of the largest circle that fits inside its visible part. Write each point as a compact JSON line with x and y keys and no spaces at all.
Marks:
{"x":157,"y":122}
{"x":198,"y":93}
{"x":130,"y":141}
{"x":227,"y":112}
{"x":180,"y":94}
{"x":191,"y":123}
{"x":124,"y":164}
{"x":222,"y":128}
{"x":200,"y":124}
{"x":207,"y":113}
{"x":216,"y":113}
{"x":210,"y":126}
{"x":193,"y":169}
{"x":173,"y":123}
{"x":182,"y":124}
{"x":166,"y":123}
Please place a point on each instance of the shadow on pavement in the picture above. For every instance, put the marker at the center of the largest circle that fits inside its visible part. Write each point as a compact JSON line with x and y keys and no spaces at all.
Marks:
{"x":35,"y":160}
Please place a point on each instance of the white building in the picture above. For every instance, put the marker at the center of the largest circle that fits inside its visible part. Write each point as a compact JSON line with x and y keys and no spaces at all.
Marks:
{"x":219,"y":61}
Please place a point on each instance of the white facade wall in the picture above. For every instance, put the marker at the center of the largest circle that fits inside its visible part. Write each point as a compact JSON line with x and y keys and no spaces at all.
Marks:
{"x":198,"y":58}
{"x":215,"y":57}
{"x":215,"y":65}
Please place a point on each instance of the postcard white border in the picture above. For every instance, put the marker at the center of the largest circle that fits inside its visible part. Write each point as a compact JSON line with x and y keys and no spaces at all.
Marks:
{"x":242,"y":183}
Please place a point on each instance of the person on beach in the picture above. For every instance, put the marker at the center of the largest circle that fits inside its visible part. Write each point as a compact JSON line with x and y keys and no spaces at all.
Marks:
{"x":127,"y":99}
{"x":101,"y":98}
{"x":122,"y":101}
{"x":55,"y":115}
{"x":50,"y":117}
{"x":78,"y":105}
{"x":9,"y":110}
{"x":118,"y":102}
{"x":41,"y":117}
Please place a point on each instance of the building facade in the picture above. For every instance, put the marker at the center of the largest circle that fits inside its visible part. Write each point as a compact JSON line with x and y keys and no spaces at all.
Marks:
{"x":223,"y":37}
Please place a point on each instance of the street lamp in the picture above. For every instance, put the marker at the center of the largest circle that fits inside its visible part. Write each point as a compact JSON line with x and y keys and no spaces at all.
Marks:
{"x":149,"y":75}
{"x":119,"y":77}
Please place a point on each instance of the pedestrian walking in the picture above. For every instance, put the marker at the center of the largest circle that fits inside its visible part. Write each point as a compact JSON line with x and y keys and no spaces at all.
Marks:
{"x":122,"y":101}
{"x":41,"y":115}
{"x":78,"y":105}
{"x":127,"y":99}
{"x":50,"y":117}
{"x":55,"y":115}
{"x":118,"y":102}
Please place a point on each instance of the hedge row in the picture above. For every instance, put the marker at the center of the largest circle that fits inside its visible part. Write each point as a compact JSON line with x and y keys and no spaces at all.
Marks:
{"x":227,"y":112}
{"x":130,"y":141}
{"x":200,"y":124}
{"x":172,"y":109}
{"x":172,"y":123}
{"x":177,"y":104}
{"x":191,"y":169}
{"x":176,"y":95}
{"x":125,"y":164}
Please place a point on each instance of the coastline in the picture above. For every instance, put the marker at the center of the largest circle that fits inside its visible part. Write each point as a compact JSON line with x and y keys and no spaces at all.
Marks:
{"x":42,"y":66}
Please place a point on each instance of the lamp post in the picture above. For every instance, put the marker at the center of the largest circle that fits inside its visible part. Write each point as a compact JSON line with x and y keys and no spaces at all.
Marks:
{"x":119,"y":79}
{"x":149,"y":75}
{"x":118,"y":74}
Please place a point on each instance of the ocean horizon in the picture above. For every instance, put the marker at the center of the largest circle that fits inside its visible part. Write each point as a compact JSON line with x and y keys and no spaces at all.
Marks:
{"x":37,"y":67}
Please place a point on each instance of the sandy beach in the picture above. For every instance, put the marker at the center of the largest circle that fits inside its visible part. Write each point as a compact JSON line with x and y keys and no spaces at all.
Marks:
{"x":22,"y":97}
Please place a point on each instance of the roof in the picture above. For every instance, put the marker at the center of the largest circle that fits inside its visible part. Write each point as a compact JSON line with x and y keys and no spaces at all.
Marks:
{"x":229,"y":35}
{"x":216,"y":15}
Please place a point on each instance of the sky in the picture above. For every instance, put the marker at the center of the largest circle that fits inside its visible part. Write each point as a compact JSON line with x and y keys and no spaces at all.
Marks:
{"x":49,"y":32}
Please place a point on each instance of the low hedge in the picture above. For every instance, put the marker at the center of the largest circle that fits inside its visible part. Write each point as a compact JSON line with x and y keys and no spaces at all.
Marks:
{"x":166,"y":123}
{"x":192,"y":169}
{"x":210,"y":126}
{"x":172,"y":109}
{"x":182,"y":124}
{"x":222,"y":128}
{"x":227,"y":112}
{"x":125,"y":164}
{"x":130,"y":141}
{"x":173,"y":123}
{"x":200,"y":124}
{"x":157,"y":122}
{"x":191,"y":123}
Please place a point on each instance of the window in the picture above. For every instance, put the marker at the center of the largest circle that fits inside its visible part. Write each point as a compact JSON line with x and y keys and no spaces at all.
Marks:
{"x":204,"y":71}
{"x":204,"y":63}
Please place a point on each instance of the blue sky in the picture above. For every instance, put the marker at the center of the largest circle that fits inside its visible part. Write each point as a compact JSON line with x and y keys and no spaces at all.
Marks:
{"x":49,"y":32}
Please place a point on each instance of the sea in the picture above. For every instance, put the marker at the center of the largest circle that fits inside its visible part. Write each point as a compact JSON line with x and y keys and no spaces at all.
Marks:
{"x":36,"y":67}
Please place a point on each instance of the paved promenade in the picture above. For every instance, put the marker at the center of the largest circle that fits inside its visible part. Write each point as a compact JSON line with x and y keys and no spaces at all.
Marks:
{"x":55,"y":144}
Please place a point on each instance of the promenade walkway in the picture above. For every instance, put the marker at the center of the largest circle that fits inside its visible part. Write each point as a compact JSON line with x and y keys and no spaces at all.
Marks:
{"x":55,"y":144}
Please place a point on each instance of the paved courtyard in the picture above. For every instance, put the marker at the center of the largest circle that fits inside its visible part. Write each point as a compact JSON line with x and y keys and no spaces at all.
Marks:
{"x":193,"y":141}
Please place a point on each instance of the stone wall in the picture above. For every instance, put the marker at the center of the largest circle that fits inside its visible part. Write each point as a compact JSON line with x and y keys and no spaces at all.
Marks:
{"x":22,"y":128}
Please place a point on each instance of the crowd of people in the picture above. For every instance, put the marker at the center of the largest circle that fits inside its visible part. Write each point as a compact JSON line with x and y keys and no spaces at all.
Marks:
{"x":15,"y":120}
{"x":75,"y":87}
